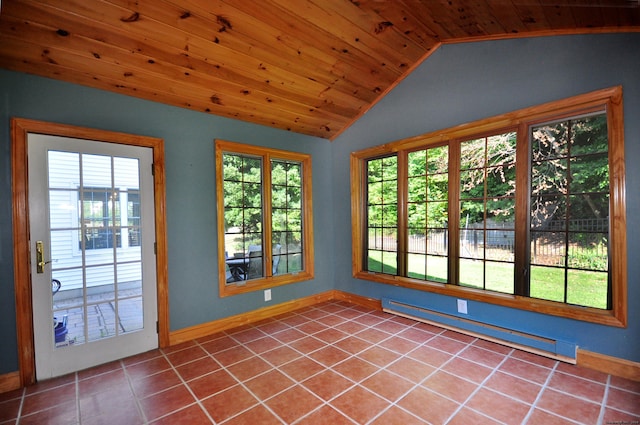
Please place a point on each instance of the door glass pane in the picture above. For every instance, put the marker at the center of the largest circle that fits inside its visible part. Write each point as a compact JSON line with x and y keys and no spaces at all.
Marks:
{"x":100,"y":283}
{"x":102,"y":256}
{"x":95,"y":246}
{"x":125,"y":173}
{"x":96,"y":171}
{"x":63,"y":213}
{"x":128,"y":254}
{"x":130,"y":314}
{"x":129,"y":282}
{"x":68,"y":310}
{"x":64,"y":252}
{"x":64,"y":170}
{"x":68,"y":327}
{"x":101,"y":321}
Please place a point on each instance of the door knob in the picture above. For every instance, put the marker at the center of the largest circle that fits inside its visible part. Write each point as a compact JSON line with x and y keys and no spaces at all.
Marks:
{"x":40,"y":262}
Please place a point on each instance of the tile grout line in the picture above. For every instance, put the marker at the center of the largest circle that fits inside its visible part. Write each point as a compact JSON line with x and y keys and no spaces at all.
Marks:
{"x":354,"y":384}
{"x":182,"y":382}
{"x":602,"y":404}
{"x":534,"y":404}
{"x":479,"y":386}
{"x":135,"y":396}
{"x":609,"y":385}
{"x":352,"y":355}
{"x":330,"y":368}
{"x":379,"y":368}
{"x":605,"y":398}
{"x":510,"y":356}
{"x":224,"y":368}
{"x":326,"y":368}
{"x":76,"y":381}
{"x":260,"y":400}
{"x":419,"y":384}
{"x":415,"y":385}
{"x":22,"y":397}
{"x":274,"y":367}
{"x":402,"y":355}
{"x":317,"y":316}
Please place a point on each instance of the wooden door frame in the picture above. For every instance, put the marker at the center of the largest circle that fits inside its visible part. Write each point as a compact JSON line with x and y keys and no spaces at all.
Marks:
{"x":20,"y":128}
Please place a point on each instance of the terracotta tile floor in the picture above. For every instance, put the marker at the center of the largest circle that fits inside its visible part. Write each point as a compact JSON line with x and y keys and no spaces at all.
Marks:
{"x":333,"y":363}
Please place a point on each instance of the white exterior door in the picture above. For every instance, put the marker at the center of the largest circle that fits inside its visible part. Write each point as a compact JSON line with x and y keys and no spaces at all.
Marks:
{"x":93,"y":269}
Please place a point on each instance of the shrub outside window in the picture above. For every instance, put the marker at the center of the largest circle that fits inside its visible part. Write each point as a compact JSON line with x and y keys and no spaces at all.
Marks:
{"x":524,"y":210}
{"x":264,"y":217}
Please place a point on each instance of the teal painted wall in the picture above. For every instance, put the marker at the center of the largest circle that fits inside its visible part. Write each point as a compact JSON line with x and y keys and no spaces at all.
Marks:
{"x":190,"y":177}
{"x":466,"y":82}
{"x":457,"y":84}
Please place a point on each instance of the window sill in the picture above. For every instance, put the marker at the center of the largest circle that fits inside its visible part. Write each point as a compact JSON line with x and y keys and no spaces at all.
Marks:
{"x":260,"y":284}
{"x":585,"y":314}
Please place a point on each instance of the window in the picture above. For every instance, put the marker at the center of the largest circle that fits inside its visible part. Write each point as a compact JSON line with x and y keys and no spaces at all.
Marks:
{"x":524,"y":210}
{"x":427,"y":206}
{"x":486,"y":220}
{"x":264,"y":217}
{"x":569,"y":209}
{"x":98,"y":207}
{"x":382,"y":214}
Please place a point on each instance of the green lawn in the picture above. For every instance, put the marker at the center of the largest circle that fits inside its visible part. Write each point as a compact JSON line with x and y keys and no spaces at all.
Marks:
{"x":585,"y":288}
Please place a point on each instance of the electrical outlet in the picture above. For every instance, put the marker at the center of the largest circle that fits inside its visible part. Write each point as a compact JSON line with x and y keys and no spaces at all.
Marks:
{"x":462,"y":306}
{"x":267,"y":294}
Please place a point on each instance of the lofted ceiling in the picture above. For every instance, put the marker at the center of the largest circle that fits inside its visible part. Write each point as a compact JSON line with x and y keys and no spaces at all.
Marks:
{"x":307,"y":66}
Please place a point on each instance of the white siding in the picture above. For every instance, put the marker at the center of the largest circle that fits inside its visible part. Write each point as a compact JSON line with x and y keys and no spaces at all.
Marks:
{"x":64,"y":219}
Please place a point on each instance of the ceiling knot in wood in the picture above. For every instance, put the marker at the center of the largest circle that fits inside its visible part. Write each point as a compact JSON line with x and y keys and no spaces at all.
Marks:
{"x":226,"y":24}
{"x":135,"y":16}
{"x":382,"y":26}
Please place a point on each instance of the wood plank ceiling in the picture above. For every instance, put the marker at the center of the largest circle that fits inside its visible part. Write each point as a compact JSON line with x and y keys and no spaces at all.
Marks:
{"x":308,"y":66}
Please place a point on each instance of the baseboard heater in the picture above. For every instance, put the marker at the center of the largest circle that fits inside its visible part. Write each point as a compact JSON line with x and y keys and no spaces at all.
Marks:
{"x":548,"y":347}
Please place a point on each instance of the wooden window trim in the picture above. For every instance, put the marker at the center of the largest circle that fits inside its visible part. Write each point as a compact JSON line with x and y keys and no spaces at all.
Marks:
{"x":268,"y":281}
{"x":611,"y":100}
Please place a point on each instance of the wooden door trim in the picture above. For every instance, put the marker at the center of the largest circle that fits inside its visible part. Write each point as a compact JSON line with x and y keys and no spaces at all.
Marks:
{"x":20,"y":128}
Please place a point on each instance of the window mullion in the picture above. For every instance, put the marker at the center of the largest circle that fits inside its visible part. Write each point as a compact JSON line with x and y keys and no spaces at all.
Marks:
{"x":454,"y":212}
{"x":402,"y":228}
{"x":523,"y":198}
{"x":266,"y":215}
